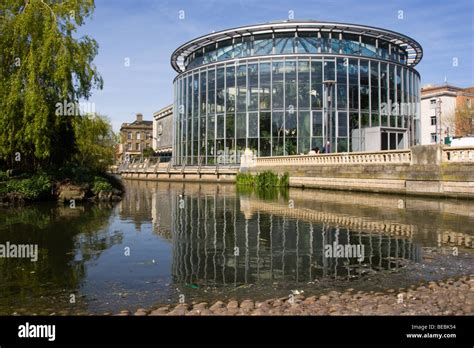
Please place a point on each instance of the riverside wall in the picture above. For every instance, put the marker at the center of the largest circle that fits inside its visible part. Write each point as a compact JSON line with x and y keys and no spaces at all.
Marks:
{"x":431,"y":170}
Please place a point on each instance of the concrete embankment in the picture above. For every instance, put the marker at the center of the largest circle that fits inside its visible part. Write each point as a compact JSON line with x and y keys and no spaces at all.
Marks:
{"x":431,"y":170}
{"x":423,"y":170}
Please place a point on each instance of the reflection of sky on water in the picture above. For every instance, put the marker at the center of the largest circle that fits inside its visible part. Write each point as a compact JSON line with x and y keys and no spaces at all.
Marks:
{"x":192,"y":237}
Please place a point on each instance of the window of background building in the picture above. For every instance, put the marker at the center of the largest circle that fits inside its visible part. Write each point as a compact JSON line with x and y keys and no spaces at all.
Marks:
{"x":138,"y":135}
{"x":433,"y":138}
{"x":433,"y":120}
{"x":129,"y":135}
{"x":129,"y":146}
{"x":137,"y":146}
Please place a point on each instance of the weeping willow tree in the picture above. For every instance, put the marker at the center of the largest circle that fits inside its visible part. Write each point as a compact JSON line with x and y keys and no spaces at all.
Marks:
{"x":43,"y":64}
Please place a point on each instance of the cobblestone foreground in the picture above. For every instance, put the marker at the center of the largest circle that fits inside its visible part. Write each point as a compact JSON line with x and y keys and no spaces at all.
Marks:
{"x":449,"y":297}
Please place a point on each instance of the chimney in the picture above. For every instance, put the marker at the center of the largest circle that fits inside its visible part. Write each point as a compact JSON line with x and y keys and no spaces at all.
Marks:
{"x":139,"y":117}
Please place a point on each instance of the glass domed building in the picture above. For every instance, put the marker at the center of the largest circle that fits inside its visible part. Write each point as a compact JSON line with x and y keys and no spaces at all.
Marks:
{"x":287,"y":87}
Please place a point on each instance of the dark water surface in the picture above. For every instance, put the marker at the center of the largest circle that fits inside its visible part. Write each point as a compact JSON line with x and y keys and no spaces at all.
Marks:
{"x":209,"y":242}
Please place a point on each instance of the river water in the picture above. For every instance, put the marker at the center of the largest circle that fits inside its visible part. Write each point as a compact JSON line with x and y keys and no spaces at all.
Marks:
{"x":171,"y":242}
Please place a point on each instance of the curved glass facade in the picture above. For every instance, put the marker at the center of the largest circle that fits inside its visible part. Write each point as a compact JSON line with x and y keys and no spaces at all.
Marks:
{"x":301,"y":42}
{"x":293,"y":97}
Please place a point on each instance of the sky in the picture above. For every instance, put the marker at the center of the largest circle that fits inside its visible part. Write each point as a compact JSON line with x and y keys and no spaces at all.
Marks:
{"x":137,"y":37}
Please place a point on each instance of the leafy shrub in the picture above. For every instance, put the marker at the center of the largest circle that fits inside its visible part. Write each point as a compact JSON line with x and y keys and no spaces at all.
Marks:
{"x":285,"y":180}
{"x":100,"y":184}
{"x":245,"y":179}
{"x":266,"y":179}
{"x":3,"y":176}
{"x":36,"y":187}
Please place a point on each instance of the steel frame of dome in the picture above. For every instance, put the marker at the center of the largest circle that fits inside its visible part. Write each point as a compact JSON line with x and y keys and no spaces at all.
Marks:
{"x":411,"y":46}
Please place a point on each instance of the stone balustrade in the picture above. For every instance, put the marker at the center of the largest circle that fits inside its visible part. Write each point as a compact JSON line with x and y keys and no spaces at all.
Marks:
{"x":458,"y":154}
{"x":380,"y":157}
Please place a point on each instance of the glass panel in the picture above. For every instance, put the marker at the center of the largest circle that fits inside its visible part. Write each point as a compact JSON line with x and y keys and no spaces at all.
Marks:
{"x":211,"y":90}
{"x":350,"y":44}
{"x":284,"y":43}
{"x":317,"y":144}
{"x":342,"y":124}
{"x":230,"y":88}
{"x":290,"y":146}
{"x":290,"y":124}
{"x":220,"y":126}
{"x":210,"y":127}
{"x":277,"y":71}
{"x":354,"y":132}
{"x":383,"y":49}
{"x":252,"y":130}
{"x":374,"y":96}
{"x":209,"y":54}
{"x":229,"y":126}
{"x":353,"y":84}
{"x":265,"y":73}
{"x":317,"y":123}
{"x":277,"y":146}
{"x":265,"y":147}
{"x":290,"y":85}
{"x":252,"y":144}
{"x":277,"y":124}
{"x":329,"y":70}
{"x":316,"y":85}
{"x":224,"y":50}
{"x":265,"y":124}
{"x":342,"y":145}
{"x":303,"y":85}
{"x":277,"y":95}
{"x":368,"y":46}
{"x":342,"y":64}
{"x":263,"y":44}
{"x":242,"y":47}
{"x":335,"y":43}
{"x":203,"y":100}
{"x":308,"y":42}
{"x":241,"y":124}
{"x":325,"y":42}
{"x":364,"y":119}
{"x":220,"y":92}
{"x":304,"y":131}
{"x":265,"y":97}
{"x":242,"y":88}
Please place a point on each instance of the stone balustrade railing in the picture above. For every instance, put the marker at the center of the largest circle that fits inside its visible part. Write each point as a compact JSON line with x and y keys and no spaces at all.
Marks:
{"x":380,"y":157}
{"x":458,"y":154}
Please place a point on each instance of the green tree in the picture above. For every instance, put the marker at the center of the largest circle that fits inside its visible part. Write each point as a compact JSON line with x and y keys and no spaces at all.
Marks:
{"x":43,"y":64}
{"x":95,"y":142}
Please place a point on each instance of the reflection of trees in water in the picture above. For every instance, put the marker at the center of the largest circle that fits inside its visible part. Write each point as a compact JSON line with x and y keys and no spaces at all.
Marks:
{"x":214,"y":243}
{"x":66,"y":238}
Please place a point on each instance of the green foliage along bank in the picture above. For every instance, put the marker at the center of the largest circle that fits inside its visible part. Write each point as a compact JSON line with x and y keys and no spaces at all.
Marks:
{"x":263,"y":180}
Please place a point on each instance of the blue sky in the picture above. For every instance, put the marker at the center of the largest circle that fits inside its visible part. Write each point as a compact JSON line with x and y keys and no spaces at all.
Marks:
{"x":146,"y":32}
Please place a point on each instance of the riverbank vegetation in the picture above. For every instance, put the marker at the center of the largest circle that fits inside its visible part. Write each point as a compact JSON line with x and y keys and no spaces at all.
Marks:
{"x":263,"y":180}
{"x":51,"y":139}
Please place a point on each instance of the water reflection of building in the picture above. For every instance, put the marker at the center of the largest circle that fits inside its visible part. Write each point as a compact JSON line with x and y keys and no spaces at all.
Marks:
{"x":136,"y":204}
{"x":215,"y":243}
